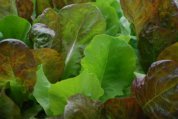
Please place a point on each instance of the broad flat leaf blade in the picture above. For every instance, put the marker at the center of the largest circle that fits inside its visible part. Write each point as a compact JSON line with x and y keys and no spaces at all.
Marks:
{"x":17,"y":63}
{"x":79,"y":23}
{"x":86,"y":84}
{"x":15,"y":27}
{"x":113,"y":62}
{"x":157,"y":92}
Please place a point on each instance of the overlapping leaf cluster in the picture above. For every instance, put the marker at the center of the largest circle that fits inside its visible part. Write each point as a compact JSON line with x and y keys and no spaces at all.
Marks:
{"x":76,"y":59}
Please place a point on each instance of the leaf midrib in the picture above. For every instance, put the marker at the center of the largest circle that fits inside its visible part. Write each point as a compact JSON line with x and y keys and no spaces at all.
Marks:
{"x":158,"y":95}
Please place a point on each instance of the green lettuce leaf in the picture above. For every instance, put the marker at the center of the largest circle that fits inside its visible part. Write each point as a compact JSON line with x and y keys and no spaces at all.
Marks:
{"x":79,"y":23}
{"x":53,"y":97}
{"x":82,"y":107}
{"x":113,"y":61}
{"x":41,"y":90}
{"x":110,"y":14}
{"x":86,"y":84}
{"x":15,"y":27}
{"x":8,"y":109}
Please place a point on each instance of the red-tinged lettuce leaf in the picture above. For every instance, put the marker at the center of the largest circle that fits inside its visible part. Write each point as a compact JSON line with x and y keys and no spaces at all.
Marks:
{"x":25,"y":8}
{"x":8,"y":109}
{"x":7,"y":7}
{"x":79,"y":23}
{"x":15,"y":27}
{"x":123,"y":108}
{"x":157,"y":91}
{"x":139,"y":12}
{"x":169,"y":53}
{"x":50,"y":18}
{"x":156,"y":25}
{"x":17,"y":63}
{"x":81,"y":107}
{"x":61,"y":3}
{"x":41,"y":5}
{"x":52,"y":61}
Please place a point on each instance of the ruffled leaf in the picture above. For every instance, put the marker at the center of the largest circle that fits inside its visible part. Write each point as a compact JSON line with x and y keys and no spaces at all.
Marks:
{"x":109,"y":58}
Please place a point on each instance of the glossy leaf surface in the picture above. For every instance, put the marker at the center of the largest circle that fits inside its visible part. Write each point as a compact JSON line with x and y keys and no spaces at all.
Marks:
{"x":157,"y":92}
{"x":79,"y":23}
{"x":52,"y":62}
{"x":15,"y":27}
{"x":112,"y":59}
{"x":17,"y":63}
